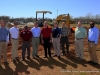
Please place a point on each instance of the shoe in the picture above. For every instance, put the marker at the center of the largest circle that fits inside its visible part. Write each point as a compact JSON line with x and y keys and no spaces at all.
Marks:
{"x":90,"y":61}
{"x":14,"y":60}
{"x":50,"y":57}
{"x":45,"y":57}
{"x":59,"y":57}
{"x":33,"y":57}
{"x":17,"y":58}
{"x":82,"y":60}
{"x":95,"y":63}
{"x":54,"y":55}
{"x":23,"y":59}
{"x":0,"y":65}
{"x":37,"y":56}
{"x":6,"y":63}
{"x":28,"y":58}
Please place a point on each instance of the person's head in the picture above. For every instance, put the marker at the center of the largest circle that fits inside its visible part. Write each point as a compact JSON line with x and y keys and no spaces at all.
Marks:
{"x":15,"y":23}
{"x":92,"y":24}
{"x":63,"y":24}
{"x":79,"y":24}
{"x":26,"y":27}
{"x":35,"y":24}
{"x":2,"y":22}
{"x":55,"y":24}
{"x":45,"y":23}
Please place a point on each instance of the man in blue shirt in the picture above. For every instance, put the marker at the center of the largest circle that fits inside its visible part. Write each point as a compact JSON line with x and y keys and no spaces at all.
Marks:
{"x":56,"y":35}
{"x":35,"y":39}
{"x":93,"y":36}
{"x":3,"y":41}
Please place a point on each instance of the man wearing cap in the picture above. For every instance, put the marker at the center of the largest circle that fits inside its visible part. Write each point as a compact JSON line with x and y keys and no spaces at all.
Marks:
{"x":93,"y":36}
{"x":26,"y":36}
{"x":14,"y":32}
{"x":4,"y":33}
{"x":56,"y":35}
{"x":80,"y":34}
{"x":35,"y":39}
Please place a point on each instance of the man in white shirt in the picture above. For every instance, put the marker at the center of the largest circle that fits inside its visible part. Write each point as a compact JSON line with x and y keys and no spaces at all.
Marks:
{"x":14,"y":32}
{"x":93,"y":36}
{"x":35,"y":39}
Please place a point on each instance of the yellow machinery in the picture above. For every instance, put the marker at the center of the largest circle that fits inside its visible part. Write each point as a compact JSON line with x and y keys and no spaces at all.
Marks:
{"x":44,"y":12}
{"x":66,"y":19}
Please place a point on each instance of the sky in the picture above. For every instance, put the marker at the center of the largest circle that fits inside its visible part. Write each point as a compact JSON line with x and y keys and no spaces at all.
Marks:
{"x":28,"y":8}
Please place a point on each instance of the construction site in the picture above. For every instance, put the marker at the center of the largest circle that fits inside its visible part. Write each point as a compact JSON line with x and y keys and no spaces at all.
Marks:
{"x":67,"y":65}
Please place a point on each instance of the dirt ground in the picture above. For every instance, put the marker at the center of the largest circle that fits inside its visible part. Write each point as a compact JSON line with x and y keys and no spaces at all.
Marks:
{"x":67,"y":65}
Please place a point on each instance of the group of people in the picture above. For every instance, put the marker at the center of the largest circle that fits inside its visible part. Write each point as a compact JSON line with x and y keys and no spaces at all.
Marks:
{"x":48,"y":36}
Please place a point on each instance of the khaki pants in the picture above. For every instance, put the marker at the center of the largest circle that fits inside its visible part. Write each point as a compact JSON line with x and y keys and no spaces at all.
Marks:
{"x":14,"y":48}
{"x":79,"y":48}
{"x":35,"y":44}
{"x":92,"y":52}
{"x":3,"y":48}
{"x":56,"y":45}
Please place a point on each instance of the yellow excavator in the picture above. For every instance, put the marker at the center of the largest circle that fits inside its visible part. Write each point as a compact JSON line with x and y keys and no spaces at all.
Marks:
{"x":66,"y":18}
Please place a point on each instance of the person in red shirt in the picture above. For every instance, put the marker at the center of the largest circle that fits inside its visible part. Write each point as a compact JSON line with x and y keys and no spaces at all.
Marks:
{"x":46,"y":38}
{"x":26,"y":35}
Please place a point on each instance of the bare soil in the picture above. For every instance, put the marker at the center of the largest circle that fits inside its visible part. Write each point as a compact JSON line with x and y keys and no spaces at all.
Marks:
{"x":67,"y":65}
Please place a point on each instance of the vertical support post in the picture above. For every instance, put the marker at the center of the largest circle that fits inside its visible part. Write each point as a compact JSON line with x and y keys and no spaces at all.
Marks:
{"x":57,"y":12}
{"x":43,"y":16}
{"x":36,"y":16}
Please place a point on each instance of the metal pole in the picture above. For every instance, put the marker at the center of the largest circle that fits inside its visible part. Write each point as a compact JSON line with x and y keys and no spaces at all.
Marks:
{"x":57,"y":12}
{"x":36,"y":16}
{"x":43,"y":16}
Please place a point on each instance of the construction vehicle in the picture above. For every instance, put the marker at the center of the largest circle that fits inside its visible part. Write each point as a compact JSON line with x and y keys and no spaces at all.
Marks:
{"x":65,"y":18}
{"x":43,"y":12}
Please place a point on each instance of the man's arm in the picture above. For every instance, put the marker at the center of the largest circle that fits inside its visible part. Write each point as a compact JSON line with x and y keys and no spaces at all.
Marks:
{"x":96,"y":35}
{"x":85,"y":33}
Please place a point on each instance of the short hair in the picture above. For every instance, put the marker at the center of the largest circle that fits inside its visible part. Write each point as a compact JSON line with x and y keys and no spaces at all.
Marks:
{"x":55,"y":22}
{"x":45,"y":22}
{"x":92,"y":22}
{"x":80,"y":21}
{"x":35,"y":22}
{"x":15,"y":22}
{"x":2,"y":21}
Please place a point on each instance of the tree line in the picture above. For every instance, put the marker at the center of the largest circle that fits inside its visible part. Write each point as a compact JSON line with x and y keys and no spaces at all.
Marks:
{"x":85,"y":19}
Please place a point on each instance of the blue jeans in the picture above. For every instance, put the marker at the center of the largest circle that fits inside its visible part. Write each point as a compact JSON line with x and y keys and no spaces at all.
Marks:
{"x":25,"y":45}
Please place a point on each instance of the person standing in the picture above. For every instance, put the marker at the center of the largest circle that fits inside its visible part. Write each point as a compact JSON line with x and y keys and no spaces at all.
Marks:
{"x":56,"y":35}
{"x":26,"y":36}
{"x":80,"y":34}
{"x":93,"y":36}
{"x":46,"y":37}
{"x":4,"y":33}
{"x":36,"y":31}
{"x":14,"y":32}
{"x":64,"y":38}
